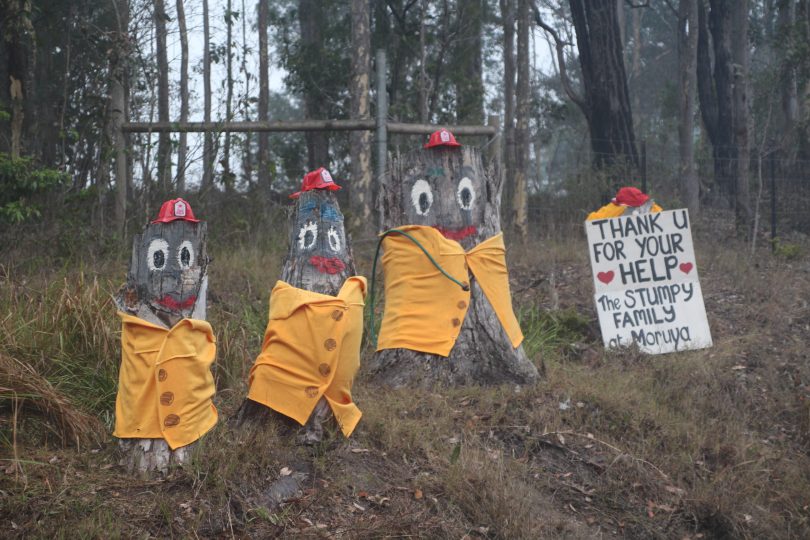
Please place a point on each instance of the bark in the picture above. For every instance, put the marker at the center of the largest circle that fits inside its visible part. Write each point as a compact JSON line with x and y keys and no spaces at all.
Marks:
{"x":786,"y":19}
{"x":740,"y":57}
{"x":228,"y":177}
{"x":482,"y":353}
{"x":424,"y":90}
{"x":360,"y":141}
{"x":264,"y":99}
{"x":520,"y":202}
{"x":468,"y":60}
{"x":182,"y":148}
{"x":687,"y":78}
{"x":247,"y":155}
{"x":208,"y":142}
{"x":164,"y":157}
{"x":508,"y":19}
{"x":310,"y":18}
{"x":21,"y":65}
{"x":609,"y":116}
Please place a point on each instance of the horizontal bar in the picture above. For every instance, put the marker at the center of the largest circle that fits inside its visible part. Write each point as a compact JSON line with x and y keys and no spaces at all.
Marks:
{"x":302,"y":125}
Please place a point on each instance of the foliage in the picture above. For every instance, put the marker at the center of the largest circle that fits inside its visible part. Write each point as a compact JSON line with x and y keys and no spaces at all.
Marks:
{"x":20,"y":180}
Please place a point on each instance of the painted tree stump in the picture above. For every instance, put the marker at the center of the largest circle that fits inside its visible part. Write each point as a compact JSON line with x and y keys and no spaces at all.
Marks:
{"x":319,"y":260}
{"x":166,"y":283}
{"x":447,"y":192}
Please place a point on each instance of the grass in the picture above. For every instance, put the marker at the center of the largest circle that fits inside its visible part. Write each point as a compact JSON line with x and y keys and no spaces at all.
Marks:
{"x":708,"y":444}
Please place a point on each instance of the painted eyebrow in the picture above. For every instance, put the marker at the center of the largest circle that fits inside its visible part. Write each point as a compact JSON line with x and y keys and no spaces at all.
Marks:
{"x":330,"y":213}
{"x":308,"y":206}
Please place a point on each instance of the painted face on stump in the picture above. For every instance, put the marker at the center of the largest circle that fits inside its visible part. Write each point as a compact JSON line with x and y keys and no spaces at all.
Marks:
{"x":318,"y":236}
{"x":444,"y":192}
{"x":168,"y":265}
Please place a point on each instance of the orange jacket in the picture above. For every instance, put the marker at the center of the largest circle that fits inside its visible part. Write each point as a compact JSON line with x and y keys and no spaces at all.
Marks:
{"x":165,"y":384}
{"x":611,"y":210}
{"x":311,"y":349}
{"x":424,"y":311}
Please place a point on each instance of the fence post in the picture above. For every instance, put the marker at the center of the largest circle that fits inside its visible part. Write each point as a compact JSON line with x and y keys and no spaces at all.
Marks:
{"x":382,"y":118}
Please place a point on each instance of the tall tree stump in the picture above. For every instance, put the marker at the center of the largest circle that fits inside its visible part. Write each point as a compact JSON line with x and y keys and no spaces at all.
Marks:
{"x":449,"y":190}
{"x":166,"y":283}
{"x":319,"y":260}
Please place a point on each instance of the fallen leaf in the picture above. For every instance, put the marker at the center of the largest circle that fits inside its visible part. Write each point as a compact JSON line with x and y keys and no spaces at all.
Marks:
{"x":675,"y":490}
{"x":362,"y":494}
{"x":361,"y":508}
{"x":417,"y":494}
{"x":560,"y":438}
{"x":286,"y":471}
{"x":360,"y":450}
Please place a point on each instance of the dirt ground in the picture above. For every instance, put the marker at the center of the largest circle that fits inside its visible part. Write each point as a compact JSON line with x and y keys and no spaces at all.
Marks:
{"x":701,"y":444}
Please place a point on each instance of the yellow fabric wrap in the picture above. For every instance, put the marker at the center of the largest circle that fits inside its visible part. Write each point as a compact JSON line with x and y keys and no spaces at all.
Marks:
{"x":165,"y":384}
{"x":424,"y":311}
{"x":611,"y":210}
{"x":311,"y":349}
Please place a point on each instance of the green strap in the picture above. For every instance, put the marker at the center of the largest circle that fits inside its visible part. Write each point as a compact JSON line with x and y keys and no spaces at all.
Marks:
{"x":464,"y":286}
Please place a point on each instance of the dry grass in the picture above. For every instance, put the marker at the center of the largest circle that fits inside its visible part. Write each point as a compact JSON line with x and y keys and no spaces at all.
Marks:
{"x":704,"y":444}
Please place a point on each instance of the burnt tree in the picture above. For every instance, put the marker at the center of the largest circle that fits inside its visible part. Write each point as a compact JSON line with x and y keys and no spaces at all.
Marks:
{"x":167,"y":282}
{"x":319,"y":260}
{"x":449,"y":190}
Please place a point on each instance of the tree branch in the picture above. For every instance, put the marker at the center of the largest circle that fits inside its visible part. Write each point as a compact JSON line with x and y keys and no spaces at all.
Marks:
{"x":560,"y":46}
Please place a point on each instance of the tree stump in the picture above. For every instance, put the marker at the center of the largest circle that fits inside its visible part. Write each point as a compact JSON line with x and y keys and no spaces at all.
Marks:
{"x":166,"y":283}
{"x":450,"y":190}
{"x":319,"y":260}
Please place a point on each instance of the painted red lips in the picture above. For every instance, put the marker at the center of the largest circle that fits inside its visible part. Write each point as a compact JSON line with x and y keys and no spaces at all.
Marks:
{"x":458,"y":234}
{"x":327,"y":265}
{"x":174,"y":305}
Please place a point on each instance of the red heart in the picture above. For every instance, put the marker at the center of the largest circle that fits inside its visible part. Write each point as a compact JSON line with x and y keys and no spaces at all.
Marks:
{"x":686,"y":267}
{"x":605,"y":277}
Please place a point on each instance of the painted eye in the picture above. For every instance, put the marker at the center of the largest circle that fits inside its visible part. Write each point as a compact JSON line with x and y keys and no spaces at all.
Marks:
{"x":185,"y":255}
{"x":465,"y":194}
{"x":307,"y":235}
{"x":334,"y":239}
{"x":156,"y":254}
{"x":421,"y":197}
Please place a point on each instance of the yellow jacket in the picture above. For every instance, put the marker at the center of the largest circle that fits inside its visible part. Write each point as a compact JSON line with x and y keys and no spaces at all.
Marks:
{"x":611,"y":210}
{"x":311,"y":349}
{"x":165,"y":384}
{"x":424,"y":311}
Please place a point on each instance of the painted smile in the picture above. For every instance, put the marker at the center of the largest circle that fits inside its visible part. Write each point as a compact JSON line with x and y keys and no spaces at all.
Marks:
{"x":174,"y":305}
{"x":457,"y":234}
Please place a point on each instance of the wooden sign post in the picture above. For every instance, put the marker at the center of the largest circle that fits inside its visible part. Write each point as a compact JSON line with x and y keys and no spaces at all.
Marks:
{"x":166,"y":284}
{"x":446,"y":200}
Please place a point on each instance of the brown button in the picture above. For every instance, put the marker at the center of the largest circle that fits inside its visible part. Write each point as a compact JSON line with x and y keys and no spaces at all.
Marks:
{"x":166,"y":398}
{"x":325,"y":370}
{"x":161,"y":375}
{"x":171,"y":420}
{"x":312,"y":391}
{"x":461,"y":304}
{"x":330,"y":344}
{"x":456,"y":322}
{"x":337,"y":314}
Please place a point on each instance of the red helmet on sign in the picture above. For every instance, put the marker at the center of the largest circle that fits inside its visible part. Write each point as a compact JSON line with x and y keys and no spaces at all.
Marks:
{"x":630,"y":196}
{"x":442,"y":137}
{"x":175,"y":209}
{"x":317,"y":179}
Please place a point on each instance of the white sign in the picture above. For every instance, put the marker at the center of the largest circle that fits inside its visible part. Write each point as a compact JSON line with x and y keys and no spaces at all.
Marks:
{"x":646,"y":282}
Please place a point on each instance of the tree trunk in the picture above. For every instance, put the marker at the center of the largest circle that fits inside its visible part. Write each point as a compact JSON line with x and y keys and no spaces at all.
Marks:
{"x":21,"y":47}
{"x":360,"y":141}
{"x":119,"y":110}
{"x":247,"y":138}
{"x":264,"y":98}
{"x":508,"y":18}
{"x":468,"y":62}
{"x":310,"y":18}
{"x":424,"y":90}
{"x":483,"y":353}
{"x":740,"y":57}
{"x":786,"y":19}
{"x":164,"y":156}
{"x":687,"y":76}
{"x":208,"y":142}
{"x":228,"y":177}
{"x":610,"y":120}
{"x":316,"y":230}
{"x":140,"y":298}
{"x":182,"y":148}
{"x":520,"y":201}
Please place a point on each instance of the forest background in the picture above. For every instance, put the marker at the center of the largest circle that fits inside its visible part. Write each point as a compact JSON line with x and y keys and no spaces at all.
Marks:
{"x":703,"y":103}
